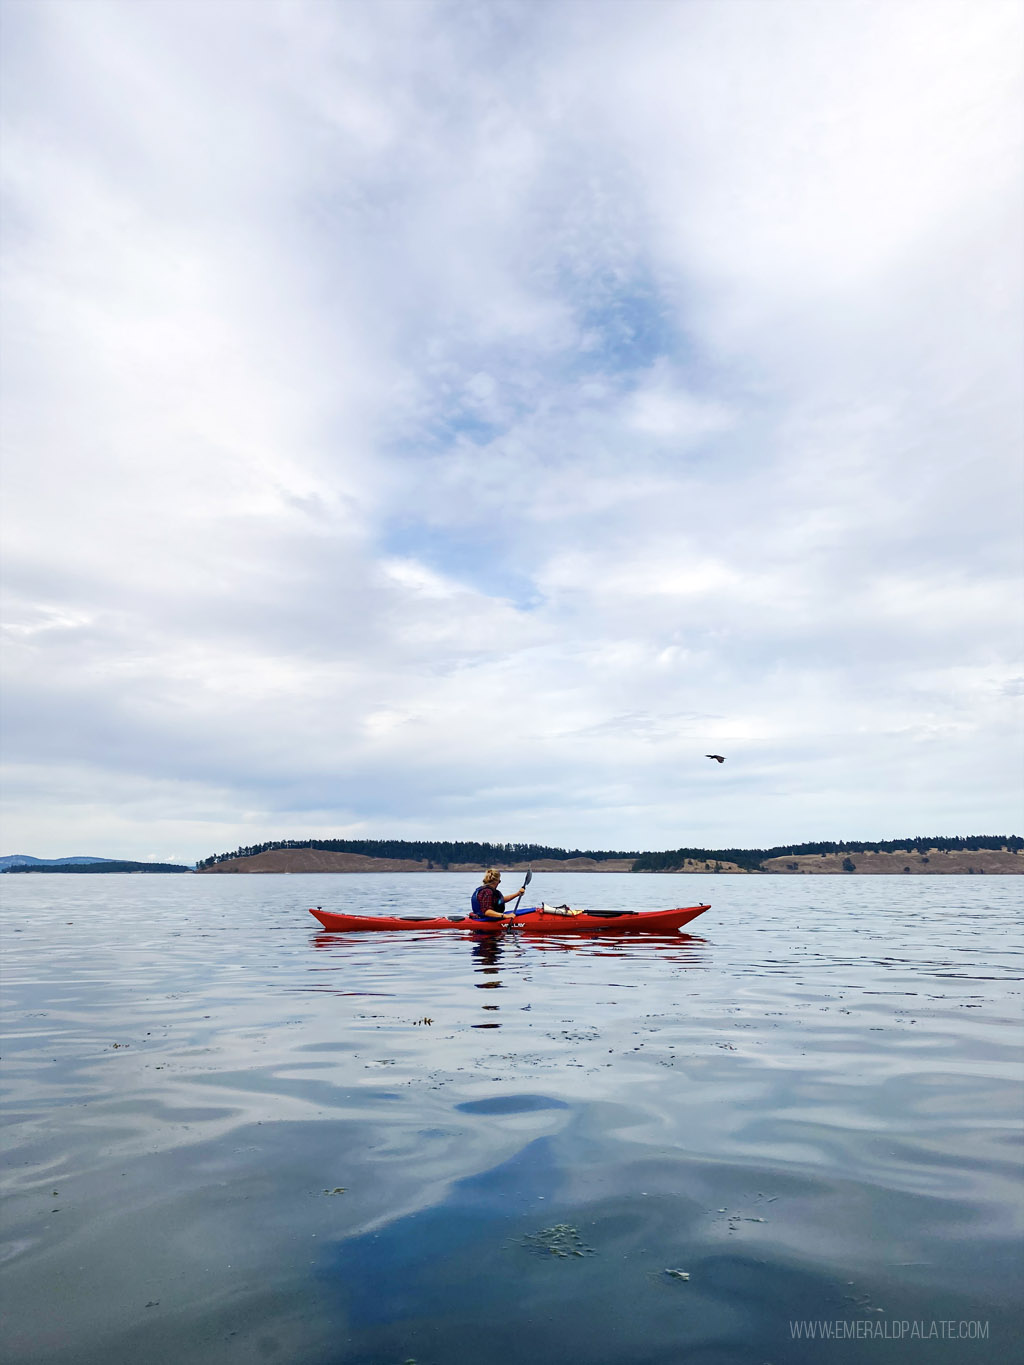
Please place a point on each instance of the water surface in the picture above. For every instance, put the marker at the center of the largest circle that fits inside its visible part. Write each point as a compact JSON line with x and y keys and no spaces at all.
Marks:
{"x":232,"y":1137}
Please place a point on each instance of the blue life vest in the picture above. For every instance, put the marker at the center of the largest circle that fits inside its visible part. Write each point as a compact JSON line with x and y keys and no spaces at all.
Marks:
{"x":497,"y":904}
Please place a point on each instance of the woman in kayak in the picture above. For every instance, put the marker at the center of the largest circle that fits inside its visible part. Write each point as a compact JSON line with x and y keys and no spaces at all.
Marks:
{"x":488,"y":902}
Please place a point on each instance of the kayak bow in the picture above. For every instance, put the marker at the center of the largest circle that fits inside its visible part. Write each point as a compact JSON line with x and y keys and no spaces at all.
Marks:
{"x":530,"y":921}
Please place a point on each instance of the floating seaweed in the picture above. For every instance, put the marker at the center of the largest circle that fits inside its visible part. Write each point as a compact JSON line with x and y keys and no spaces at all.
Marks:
{"x":560,"y":1240}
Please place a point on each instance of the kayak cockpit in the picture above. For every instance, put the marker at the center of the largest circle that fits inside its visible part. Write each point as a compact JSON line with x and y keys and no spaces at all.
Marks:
{"x":430,"y":919}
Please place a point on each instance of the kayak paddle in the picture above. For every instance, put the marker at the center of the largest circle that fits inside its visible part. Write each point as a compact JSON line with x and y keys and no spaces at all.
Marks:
{"x":526,"y":882}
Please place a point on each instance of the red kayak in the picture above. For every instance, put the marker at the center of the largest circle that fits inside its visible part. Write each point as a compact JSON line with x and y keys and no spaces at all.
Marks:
{"x":530,"y":921}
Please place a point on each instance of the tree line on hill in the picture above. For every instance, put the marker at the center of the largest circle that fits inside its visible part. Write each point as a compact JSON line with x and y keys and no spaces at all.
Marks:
{"x":439,"y":853}
{"x":752,"y":858}
{"x":442,"y":854}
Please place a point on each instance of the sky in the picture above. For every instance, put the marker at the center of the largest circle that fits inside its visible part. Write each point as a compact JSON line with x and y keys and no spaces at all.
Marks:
{"x":453,"y":420}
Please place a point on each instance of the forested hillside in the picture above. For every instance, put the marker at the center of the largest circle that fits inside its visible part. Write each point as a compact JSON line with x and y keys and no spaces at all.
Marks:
{"x":753,"y":858}
{"x":442,"y":854}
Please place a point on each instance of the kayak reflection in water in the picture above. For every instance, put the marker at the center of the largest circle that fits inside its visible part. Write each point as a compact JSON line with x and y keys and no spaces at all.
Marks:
{"x":488,"y":902}
{"x":487,"y":951}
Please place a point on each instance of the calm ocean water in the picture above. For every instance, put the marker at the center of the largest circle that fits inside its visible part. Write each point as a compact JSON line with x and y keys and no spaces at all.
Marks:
{"x":233,"y":1138}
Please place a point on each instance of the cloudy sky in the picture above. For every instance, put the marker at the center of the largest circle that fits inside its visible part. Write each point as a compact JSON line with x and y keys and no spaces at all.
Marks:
{"x":455,"y":419}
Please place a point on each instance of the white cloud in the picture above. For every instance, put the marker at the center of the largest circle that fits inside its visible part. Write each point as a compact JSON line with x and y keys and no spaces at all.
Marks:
{"x":452,"y":425}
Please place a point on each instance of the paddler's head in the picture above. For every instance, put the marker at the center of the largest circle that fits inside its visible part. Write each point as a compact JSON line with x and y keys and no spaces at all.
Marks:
{"x":492,"y":877}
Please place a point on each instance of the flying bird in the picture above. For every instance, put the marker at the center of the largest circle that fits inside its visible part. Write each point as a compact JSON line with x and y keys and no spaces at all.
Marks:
{"x":717,"y":757}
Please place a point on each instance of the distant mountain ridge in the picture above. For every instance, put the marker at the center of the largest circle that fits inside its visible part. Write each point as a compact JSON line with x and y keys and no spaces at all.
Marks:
{"x":99,"y":865}
{"x":26,"y":860}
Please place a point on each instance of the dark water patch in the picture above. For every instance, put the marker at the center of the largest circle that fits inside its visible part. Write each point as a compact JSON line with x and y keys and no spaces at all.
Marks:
{"x":511,"y":1104}
{"x":470,"y":1273}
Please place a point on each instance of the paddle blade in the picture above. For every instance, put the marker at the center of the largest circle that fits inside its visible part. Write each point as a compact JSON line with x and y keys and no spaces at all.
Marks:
{"x":528,"y":878}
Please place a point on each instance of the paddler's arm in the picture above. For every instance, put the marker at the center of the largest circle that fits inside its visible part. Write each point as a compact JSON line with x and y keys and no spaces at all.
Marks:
{"x":492,"y":913}
{"x":506,"y":914}
{"x":511,"y":915}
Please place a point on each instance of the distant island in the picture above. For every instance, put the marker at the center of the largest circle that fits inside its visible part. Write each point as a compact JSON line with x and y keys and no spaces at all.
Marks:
{"x":13,"y":860}
{"x":996,"y":854}
{"x":21,"y":862}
